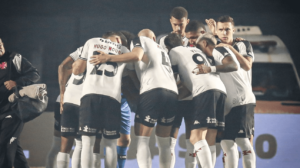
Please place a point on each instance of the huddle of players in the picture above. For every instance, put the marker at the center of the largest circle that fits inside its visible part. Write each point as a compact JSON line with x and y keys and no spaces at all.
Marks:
{"x":213,"y":82}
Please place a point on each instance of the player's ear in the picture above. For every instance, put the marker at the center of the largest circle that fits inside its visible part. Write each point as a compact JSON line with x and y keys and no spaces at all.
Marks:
{"x":154,"y":38}
{"x":187,"y":21}
{"x":233,"y":30}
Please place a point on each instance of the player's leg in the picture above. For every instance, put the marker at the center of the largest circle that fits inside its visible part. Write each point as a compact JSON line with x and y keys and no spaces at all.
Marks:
{"x":76,"y":156}
{"x":190,"y":157}
{"x":69,"y":129}
{"x":111,"y":129}
{"x":244,"y":134}
{"x":55,"y":147}
{"x":205,"y":116}
{"x":124,"y":140}
{"x":232,"y":127}
{"x":216,"y":122}
{"x":173,"y":137}
{"x":96,"y":152}
{"x":89,"y":120}
{"x":167,"y":112}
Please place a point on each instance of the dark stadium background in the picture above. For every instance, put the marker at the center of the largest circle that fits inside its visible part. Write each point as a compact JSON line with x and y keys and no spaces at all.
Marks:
{"x":46,"y":31}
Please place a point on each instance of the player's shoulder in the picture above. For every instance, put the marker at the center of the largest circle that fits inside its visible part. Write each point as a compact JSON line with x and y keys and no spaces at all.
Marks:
{"x":244,"y":42}
{"x":222,"y":50}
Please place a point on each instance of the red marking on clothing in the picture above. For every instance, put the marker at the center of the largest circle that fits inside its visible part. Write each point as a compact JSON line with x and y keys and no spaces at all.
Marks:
{"x":246,"y":152}
{"x":224,"y":154}
{"x":3,"y":65}
{"x":109,"y":48}
{"x":193,"y":154}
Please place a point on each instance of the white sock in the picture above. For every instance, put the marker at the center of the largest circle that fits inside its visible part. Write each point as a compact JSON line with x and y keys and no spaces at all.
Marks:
{"x":190,"y":156}
{"x":97,"y":160}
{"x":213,"y":152}
{"x":143,"y":154}
{"x":249,"y":160}
{"x":87,"y":151}
{"x":76,"y":156}
{"x":55,"y":148}
{"x":111,"y":157}
{"x":231,"y":156}
{"x":203,"y":154}
{"x":63,"y":160}
{"x":173,"y":157}
{"x":164,"y":151}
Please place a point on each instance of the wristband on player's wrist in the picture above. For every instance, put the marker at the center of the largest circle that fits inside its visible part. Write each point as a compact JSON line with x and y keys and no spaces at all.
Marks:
{"x":213,"y":69}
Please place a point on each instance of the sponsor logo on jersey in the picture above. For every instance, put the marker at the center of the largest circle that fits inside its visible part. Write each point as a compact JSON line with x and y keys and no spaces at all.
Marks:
{"x":150,"y":120}
{"x":221,"y":124}
{"x":196,"y":122}
{"x":169,"y":120}
{"x":12,"y":139}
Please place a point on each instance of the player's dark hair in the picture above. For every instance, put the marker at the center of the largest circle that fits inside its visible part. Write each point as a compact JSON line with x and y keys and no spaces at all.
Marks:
{"x":194,"y":26}
{"x":179,"y":12}
{"x":110,"y":33}
{"x":173,"y":40}
{"x":209,"y":38}
{"x":129,"y":36}
{"x":226,"y":18}
{"x":123,"y":38}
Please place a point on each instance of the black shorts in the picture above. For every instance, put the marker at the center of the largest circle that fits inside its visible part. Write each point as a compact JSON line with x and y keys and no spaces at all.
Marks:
{"x":157,"y":105}
{"x":69,"y":120}
{"x":239,"y":122}
{"x":57,"y":116}
{"x":185,"y":110}
{"x":209,"y":110}
{"x":100,"y":114}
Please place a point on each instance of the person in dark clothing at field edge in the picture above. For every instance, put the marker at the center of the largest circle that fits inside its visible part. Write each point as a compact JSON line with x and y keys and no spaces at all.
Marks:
{"x":15,"y":70}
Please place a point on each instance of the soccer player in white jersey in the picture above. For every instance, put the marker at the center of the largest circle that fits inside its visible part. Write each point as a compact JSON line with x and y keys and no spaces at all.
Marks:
{"x":224,"y":29}
{"x":64,"y":73}
{"x":208,"y":93}
{"x":158,"y":96}
{"x":101,"y":98}
{"x":193,"y":30}
{"x":179,"y":20}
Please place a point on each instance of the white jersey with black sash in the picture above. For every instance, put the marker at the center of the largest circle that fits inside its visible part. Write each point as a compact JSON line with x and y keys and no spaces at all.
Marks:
{"x":102,"y":79}
{"x":74,"y":85}
{"x":184,"y":60}
{"x":238,"y":90}
{"x":157,"y":71}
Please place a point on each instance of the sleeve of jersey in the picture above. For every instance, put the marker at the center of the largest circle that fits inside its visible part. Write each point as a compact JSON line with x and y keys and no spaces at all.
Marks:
{"x":220,"y":54}
{"x":173,"y":59}
{"x":75,"y":55}
{"x":249,"y":49}
{"x":138,"y":42}
{"x":84,"y":53}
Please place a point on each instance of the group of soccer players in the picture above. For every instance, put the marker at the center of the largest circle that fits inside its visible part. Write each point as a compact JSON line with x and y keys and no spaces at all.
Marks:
{"x":202,"y":77}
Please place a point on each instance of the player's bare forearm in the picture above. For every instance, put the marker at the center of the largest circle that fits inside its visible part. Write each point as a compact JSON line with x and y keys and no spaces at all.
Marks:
{"x":245,"y":62}
{"x":64,"y":72}
{"x":79,"y":67}
{"x":228,"y":65}
{"x":135,"y":55}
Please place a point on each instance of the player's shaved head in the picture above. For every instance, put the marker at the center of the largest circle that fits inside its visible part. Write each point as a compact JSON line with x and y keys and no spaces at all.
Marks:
{"x":147,"y":33}
{"x":2,"y":49}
